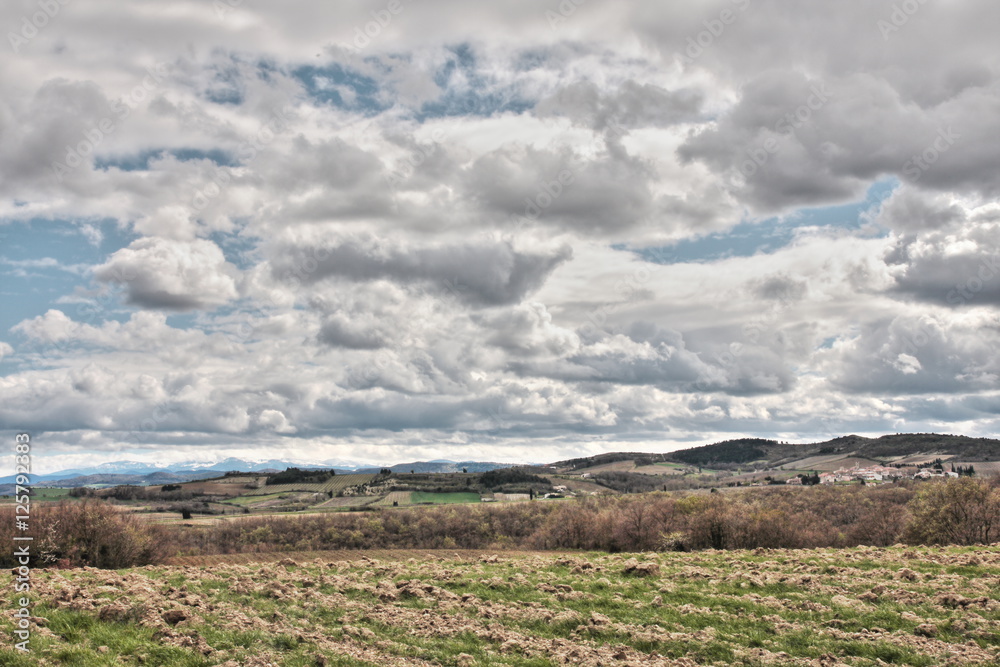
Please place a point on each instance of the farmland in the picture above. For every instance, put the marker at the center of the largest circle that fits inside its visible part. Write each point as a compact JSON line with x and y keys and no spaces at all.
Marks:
{"x":862,"y":606}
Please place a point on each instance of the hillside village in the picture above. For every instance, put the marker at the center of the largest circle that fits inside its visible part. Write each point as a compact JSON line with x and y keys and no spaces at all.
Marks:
{"x":880,"y":473}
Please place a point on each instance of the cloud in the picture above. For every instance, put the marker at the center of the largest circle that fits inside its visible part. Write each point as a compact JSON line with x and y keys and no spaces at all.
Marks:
{"x":953,"y":257}
{"x":172,"y":275}
{"x":445,"y":239}
{"x":476,"y":273}
{"x":918,"y":355}
{"x":632,"y":105}
{"x":909,"y":210}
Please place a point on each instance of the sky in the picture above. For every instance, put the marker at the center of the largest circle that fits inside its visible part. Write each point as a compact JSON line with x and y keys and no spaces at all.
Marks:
{"x":396,"y":230}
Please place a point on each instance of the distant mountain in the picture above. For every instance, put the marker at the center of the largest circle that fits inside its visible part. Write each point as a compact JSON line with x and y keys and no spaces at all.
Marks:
{"x":135,"y":472}
{"x":445,"y":466}
{"x":110,"y":479}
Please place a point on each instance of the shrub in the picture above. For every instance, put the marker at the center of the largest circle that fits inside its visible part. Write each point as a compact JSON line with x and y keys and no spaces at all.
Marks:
{"x":956,"y":511}
{"x":88,"y":532}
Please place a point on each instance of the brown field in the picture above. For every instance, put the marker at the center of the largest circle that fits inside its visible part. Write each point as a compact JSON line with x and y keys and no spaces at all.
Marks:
{"x":663,"y":470}
{"x":217,"y":487}
{"x":923,"y":458}
{"x":983,"y":468}
{"x":347,"y":501}
{"x":616,"y":466}
{"x":828,"y":463}
{"x":860,"y":607}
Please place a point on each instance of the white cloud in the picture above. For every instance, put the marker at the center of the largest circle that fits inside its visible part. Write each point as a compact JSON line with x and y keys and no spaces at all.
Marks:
{"x":172,"y":275}
{"x":326,"y":245}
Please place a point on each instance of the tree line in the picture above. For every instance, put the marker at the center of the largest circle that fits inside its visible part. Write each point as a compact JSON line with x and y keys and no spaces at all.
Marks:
{"x":956,"y":511}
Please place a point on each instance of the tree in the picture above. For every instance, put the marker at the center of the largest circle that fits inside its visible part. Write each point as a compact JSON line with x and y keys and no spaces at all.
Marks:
{"x":958,"y":511}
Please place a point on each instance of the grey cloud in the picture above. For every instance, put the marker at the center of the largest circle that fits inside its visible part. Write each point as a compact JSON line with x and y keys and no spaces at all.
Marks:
{"x":911,"y":210}
{"x":607,"y":194}
{"x":915,"y":355}
{"x":478,"y":274}
{"x":340,"y":331}
{"x":954,"y":267}
{"x":632,"y":105}
{"x":36,"y":135}
{"x":782,"y":287}
{"x":851,"y":130}
{"x":527,"y":329}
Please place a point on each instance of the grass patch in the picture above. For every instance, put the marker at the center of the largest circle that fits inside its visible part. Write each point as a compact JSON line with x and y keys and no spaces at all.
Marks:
{"x":432,"y":498}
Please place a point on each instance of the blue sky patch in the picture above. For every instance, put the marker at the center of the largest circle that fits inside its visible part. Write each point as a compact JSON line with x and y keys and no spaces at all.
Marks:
{"x":749,"y":238}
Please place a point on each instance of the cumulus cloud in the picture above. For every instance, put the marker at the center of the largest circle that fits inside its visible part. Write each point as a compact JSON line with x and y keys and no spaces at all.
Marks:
{"x":489,"y":230}
{"x":948,"y":262}
{"x":908,"y":354}
{"x":172,"y":275}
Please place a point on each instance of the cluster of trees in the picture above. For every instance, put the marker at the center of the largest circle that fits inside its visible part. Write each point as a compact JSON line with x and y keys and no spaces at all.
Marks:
{"x":629,"y":482}
{"x":298,"y":476}
{"x":169,"y":492}
{"x":743,"y":450}
{"x":964,"y":511}
{"x":86,"y":532}
{"x":957,"y":511}
{"x":513,"y":480}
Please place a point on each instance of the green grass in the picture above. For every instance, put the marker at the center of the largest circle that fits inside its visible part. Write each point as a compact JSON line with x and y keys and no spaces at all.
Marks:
{"x":43,"y":493}
{"x":244,"y":501}
{"x":419,"y":497}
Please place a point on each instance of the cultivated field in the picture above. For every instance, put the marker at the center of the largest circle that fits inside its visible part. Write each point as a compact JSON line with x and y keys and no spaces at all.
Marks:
{"x":862,"y":606}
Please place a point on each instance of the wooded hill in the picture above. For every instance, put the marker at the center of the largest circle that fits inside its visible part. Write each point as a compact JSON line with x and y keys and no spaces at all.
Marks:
{"x":771,"y":453}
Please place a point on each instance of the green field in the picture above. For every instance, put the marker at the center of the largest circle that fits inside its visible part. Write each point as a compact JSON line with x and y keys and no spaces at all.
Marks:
{"x":42,"y":494}
{"x":247,"y":500}
{"x":335,"y":484}
{"x":862,"y":607}
{"x":421,"y":497}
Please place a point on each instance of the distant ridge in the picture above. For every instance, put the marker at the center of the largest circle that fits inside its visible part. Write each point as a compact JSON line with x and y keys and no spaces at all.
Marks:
{"x":134,"y":472}
{"x":772,"y":453}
